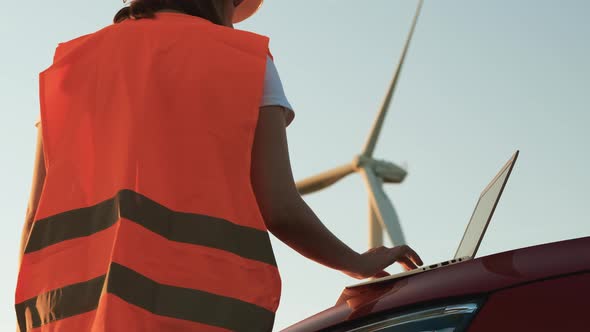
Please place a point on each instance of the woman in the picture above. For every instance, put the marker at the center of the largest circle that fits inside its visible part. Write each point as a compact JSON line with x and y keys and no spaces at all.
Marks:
{"x":162,"y":164}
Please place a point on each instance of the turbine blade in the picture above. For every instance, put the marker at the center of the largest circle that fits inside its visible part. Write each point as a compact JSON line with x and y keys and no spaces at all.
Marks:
{"x":325,"y":179}
{"x":375,"y":230}
{"x":378,"y":124}
{"x":383,"y":208}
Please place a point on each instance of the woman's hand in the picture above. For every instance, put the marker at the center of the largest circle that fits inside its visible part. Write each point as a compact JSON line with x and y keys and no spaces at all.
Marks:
{"x":372,"y":262}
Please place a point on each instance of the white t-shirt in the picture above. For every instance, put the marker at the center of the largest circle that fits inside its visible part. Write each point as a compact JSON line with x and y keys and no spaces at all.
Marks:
{"x":273,"y":92}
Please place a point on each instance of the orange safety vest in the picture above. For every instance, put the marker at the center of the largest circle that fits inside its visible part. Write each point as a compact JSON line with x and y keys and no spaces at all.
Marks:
{"x":148,"y":220}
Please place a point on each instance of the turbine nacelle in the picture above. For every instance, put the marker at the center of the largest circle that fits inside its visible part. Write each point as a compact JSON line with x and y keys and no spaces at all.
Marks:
{"x":387,"y":171}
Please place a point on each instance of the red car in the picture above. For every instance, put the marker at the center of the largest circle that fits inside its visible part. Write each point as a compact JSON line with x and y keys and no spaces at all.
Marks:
{"x":539,"y":288}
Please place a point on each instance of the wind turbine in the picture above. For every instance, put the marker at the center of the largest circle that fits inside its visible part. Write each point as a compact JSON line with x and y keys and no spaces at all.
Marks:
{"x":382,"y":215}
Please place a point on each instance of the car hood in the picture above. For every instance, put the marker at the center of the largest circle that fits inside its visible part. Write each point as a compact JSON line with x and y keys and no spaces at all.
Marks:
{"x":481,"y":275}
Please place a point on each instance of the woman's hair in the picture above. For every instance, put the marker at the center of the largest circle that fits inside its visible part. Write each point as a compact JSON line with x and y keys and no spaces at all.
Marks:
{"x":208,"y":9}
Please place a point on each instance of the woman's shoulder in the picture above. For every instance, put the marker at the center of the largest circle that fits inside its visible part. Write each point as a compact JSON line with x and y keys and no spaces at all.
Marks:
{"x":274,"y":93}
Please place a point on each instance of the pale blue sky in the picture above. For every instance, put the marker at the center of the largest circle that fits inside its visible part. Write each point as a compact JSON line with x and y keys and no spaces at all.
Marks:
{"x":482,"y":79}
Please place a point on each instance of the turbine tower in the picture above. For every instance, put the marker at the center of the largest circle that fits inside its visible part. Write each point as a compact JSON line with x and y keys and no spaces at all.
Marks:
{"x":382,"y":215}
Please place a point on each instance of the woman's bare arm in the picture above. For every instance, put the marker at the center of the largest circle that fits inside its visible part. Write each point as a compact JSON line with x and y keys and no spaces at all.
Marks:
{"x":36,"y":188}
{"x":292,"y":221}
{"x":286,"y":214}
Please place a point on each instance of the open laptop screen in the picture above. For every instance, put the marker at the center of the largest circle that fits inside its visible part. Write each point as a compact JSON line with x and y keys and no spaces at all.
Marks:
{"x":483,"y":212}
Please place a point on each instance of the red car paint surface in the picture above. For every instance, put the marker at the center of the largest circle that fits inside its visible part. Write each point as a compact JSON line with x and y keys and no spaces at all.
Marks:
{"x":494,"y":274}
{"x":559,"y":304}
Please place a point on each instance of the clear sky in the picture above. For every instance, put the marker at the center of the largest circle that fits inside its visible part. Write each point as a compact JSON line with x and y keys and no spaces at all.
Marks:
{"x":482,"y":79}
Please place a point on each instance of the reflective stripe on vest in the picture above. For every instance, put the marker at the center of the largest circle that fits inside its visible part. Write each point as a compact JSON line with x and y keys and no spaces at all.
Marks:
{"x":147,"y":220}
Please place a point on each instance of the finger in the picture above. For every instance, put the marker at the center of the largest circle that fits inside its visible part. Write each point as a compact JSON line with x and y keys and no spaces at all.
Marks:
{"x":407,"y":262}
{"x":401,"y":254}
{"x":381,"y":274}
{"x":405,"y":266}
{"x":410,"y":253}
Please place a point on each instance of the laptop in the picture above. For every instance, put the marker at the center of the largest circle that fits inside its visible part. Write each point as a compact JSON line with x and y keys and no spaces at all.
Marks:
{"x":480,"y":219}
